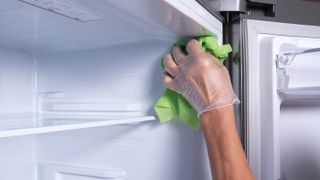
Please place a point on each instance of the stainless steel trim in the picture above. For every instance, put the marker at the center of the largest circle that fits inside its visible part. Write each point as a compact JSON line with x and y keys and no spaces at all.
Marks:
{"x":233,"y":5}
{"x":264,"y":1}
{"x":226,"y":5}
{"x":215,"y":12}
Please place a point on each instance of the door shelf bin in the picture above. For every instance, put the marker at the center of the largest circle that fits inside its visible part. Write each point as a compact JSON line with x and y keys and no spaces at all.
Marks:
{"x":283,"y":62}
{"x":30,"y":125}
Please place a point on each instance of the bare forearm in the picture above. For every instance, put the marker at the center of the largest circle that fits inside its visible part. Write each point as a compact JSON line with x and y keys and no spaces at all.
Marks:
{"x":226,"y":155}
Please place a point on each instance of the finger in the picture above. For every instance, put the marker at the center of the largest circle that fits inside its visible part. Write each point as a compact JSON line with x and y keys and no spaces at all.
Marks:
{"x":194,"y":47}
{"x":178,"y":55}
{"x":170,"y":66}
{"x":168,"y":82}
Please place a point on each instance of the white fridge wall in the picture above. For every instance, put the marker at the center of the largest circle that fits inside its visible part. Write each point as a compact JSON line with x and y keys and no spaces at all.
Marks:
{"x":148,"y":151}
{"x":299,"y":137}
{"x":128,"y":73}
{"x":121,"y":74}
{"x":124,"y":73}
{"x":17,"y":83}
{"x":17,"y":99}
{"x":18,"y":158}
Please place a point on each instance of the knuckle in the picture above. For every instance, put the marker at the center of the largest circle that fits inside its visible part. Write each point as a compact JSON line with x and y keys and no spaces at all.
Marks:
{"x":167,"y":57}
{"x":175,"y":50}
{"x":166,"y":60}
{"x":191,"y":42}
{"x":166,"y":79}
{"x":203,"y":60}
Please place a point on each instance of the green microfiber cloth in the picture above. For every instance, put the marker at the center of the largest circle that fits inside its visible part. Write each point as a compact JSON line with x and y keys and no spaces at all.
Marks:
{"x":172,"y":104}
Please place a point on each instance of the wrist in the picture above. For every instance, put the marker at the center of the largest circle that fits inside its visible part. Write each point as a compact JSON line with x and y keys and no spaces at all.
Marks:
{"x":218,"y":105}
{"x":218,"y":120}
{"x":219,"y":113}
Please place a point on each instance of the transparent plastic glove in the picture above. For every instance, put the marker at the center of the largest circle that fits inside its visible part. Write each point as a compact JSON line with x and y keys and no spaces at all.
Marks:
{"x":199,"y":77}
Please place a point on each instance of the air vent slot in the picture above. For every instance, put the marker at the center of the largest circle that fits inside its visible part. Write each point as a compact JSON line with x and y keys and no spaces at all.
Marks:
{"x":63,"y":9}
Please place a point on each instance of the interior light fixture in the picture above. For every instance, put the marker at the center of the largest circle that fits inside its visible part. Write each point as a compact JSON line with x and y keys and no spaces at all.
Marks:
{"x":63,"y":9}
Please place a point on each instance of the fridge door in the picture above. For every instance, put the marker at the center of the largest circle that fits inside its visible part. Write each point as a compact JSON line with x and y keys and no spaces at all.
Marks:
{"x":278,"y":80}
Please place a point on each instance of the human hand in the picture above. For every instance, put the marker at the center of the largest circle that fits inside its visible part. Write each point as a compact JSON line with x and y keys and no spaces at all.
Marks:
{"x":199,"y":77}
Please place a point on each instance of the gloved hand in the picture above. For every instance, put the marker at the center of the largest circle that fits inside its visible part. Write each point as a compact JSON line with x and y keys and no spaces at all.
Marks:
{"x":199,"y":77}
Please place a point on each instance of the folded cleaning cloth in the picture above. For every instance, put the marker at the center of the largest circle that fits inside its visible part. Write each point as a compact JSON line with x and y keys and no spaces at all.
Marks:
{"x":173,"y":105}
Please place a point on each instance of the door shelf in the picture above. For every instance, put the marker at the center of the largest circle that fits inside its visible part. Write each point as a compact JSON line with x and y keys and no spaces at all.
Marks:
{"x":31,"y":125}
{"x":305,"y":93}
{"x":285,"y":59}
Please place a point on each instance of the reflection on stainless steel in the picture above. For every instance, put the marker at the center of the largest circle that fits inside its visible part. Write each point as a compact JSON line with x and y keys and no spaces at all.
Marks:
{"x":226,"y":5}
{"x":177,"y":21}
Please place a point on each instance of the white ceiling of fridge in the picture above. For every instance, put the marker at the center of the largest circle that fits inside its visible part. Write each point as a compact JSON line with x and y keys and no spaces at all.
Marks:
{"x":53,"y":26}
{"x":263,"y":43}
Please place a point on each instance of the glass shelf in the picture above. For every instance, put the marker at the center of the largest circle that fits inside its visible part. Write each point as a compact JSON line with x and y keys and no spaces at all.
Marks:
{"x":19,"y":126}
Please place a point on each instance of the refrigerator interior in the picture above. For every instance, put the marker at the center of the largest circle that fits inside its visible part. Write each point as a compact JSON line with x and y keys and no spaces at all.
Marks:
{"x":78,"y":84}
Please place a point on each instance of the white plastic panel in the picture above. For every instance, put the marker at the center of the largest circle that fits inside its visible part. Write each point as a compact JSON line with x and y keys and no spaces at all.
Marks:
{"x":263,"y":42}
{"x":298,"y":130}
{"x":30,"y":27}
{"x":299,"y":135}
{"x":149,"y":151}
{"x":123,"y":74}
{"x":17,"y":158}
{"x":17,"y":87}
{"x":128,"y":73}
{"x":77,"y":85}
{"x":17,"y":81}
